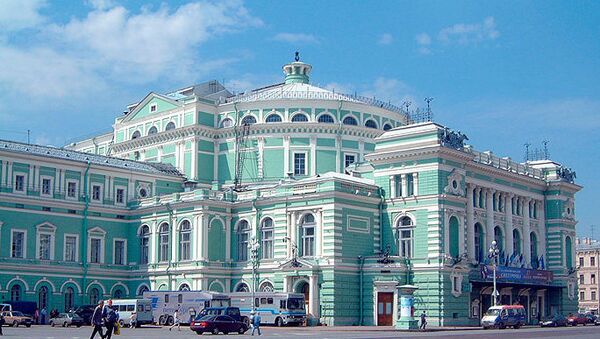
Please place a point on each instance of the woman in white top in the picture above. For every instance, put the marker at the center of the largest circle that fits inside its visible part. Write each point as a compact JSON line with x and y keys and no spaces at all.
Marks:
{"x":176,"y":321}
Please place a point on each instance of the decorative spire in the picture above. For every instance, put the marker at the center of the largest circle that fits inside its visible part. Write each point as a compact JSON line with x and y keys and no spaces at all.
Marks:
{"x":297,"y":71}
{"x":297,"y":57}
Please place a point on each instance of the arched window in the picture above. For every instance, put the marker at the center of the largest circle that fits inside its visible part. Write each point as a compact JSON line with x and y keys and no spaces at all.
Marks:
{"x":266,"y":287}
{"x":68,"y":299}
{"x":144,"y":243}
{"x":478,"y":240}
{"x":516,"y":241}
{"x":43,"y":297}
{"x":308,"y":226}
{"x":185,"y":287}
{"x":142,"y":289}
{"x":300,"y":118}
{"x":499,"y":238}
{"x":152,"y":130}
{"x":170,"y":126}
{"x":370,"y":124}
{"x":185,"y":240}
{"x":227,"y":122}
{"x":94,"y":296}
{"x":569,"y":252}
{"x":15,"y":292}
{"x":533,"y":249}
{"x":136,"y":135}
{"x":266,"y":228}
{"x":118,"y":294}
{"x":454,"y":243}
{"x":326,"y":119}
{"x":163,"y":253}
{"x":243,"y":287}
{"x":404,"y":237}
{"x":273,"y":118}
{"x":248,"y":120}
{"x":387,"y":127}
{"x":243,"y":236}
{"x":350,"y":121}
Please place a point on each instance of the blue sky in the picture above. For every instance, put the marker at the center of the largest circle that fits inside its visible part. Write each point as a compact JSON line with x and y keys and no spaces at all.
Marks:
{"x":505,"y":73}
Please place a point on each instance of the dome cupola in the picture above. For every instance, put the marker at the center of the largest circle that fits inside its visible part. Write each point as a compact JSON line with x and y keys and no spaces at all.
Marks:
{"x":297,"y":71}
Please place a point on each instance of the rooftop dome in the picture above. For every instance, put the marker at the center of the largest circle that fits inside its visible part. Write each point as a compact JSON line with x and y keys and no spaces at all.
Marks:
{"x":297,"y":71}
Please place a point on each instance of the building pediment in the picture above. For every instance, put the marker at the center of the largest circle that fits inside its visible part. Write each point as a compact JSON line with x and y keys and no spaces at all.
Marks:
{"x":297,"y":264}
{"x":153,"y":103}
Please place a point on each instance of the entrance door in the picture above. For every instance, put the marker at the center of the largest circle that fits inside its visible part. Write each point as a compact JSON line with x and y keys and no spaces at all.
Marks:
{"x":385,"y":301}
{"x":306,"y":291}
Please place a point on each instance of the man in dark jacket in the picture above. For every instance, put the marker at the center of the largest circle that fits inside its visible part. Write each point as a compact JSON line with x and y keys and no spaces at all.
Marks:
{"x":110,"y":318}
{"x":97,"y":320}
{"x":2,"y":321}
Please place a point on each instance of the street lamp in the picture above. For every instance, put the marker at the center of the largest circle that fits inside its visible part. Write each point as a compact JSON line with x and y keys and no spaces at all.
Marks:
{"x":253,"y":246}
{"x":494,"y":252}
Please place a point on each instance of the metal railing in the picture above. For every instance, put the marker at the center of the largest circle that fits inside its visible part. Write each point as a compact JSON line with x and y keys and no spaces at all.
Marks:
{"x":506,"y":164}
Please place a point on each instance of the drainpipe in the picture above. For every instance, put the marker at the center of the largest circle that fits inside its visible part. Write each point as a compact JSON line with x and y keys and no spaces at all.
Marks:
{"x":361,"y":262}
{"x":168,"y":270}
{"x":381,"y":202}
{"x":84,"y":227}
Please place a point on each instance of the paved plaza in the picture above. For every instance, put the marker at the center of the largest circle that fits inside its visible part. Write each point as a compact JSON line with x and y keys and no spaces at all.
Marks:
{"x":48,"y":332}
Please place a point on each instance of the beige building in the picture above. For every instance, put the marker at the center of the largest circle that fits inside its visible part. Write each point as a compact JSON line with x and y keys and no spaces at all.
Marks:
{"x":588,"y":257}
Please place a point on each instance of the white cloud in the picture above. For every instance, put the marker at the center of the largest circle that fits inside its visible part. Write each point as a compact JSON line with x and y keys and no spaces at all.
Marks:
{"x":469,"y":33}
{"x":102,"y":4}
{"x":424,"y":41}
{"x":296,"y":38}
{"x":386,"y":39}
{"x":20,"y":14}
{"x":388,"y":89}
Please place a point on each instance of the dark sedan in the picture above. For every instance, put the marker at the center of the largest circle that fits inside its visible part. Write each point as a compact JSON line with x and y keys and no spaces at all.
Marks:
{"x":555,"y":321}
{"x":216,"y":324}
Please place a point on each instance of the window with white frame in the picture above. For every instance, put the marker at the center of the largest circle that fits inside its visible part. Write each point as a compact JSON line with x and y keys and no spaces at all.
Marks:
{"x":267,"y":238}
{"x":18,"y":240}
{"x":349,"y":159}
{"x":119,"y":252}
{"x":19,"y":183}
{"x":164,"y":230}
{"x":243,"y":236}
{"x":185,"y":240}
{"x":153,"y":107}
{"x":96,"y":192}
{"x":593,"y":279}
{"x":581,"y":279}
{"x":46,"y":186}
{"x":299,"y":163}
{"x":120,"y":196}
{"x":96,"y":250}
{"x":72,"y":189}
{"x":404,"y":236}
{"x":45,"y":242}
{"x":593,"y":296}
{"x":71,"y":242}
{"x":581,"y":295}
{"x":144,"y":244}
{"x":308,"y":226}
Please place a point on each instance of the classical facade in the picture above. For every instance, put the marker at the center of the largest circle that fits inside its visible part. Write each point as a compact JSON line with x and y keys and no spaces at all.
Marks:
{"x":588,"y":268}
{"x":347,"y":196}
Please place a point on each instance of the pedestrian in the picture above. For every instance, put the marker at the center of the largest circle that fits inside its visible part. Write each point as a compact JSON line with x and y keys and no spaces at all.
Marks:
{"x":110,"y":318}
{"x":97,"y":320}
{"x":256,"y":323}
{"x":2,"y":321}
{"x":133,"y":320}
{"x":36,"y":316}
{"x":423,"y":321}
{"x":176,"y":321}
{"x":43,"y":315}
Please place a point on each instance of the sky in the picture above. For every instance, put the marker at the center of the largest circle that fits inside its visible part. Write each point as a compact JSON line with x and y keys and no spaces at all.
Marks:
{"x":505,"y":73}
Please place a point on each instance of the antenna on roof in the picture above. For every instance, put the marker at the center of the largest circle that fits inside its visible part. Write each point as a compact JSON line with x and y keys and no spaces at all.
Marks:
{"x":428,"y":100}
{"x":546,"y":153}
{"x":28,"y":136}
{"x":527,"y":144}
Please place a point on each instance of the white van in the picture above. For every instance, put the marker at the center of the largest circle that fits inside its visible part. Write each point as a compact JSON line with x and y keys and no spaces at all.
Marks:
{"x":188,"y":303}
{"x":142,"y":307}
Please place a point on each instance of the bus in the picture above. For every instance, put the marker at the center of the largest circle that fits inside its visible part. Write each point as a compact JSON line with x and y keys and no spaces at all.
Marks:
{"x":189,"y":304}
{"x":142,"y":307}
{"x":274,"y":308}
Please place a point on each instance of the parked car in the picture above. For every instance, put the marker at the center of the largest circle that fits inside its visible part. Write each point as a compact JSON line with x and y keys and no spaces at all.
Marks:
{"x":554,"y":321}
{"x":85,"y":312}
{"x":597,"y":321}
{"x":591,"y":318}
{"x":577,"y":319}
{"x":16,"y":318}
{"x":67,"y":319}
{"x":503,"y":316}
{"x":217,"y":323}
{"x":231,"y":311}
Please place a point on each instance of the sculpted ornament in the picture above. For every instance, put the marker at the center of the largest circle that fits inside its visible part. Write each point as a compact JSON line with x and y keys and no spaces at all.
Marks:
{"x":454,"y":186}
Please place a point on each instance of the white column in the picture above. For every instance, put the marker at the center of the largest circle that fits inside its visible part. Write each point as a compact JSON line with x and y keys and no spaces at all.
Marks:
{"x":36,"y":178}
{"x":313,"y":283}
{"x":131,"y":188}
{"x":9,"y":173}
{"x":153,"y":248}
{"x":338,"y":154}
{"x":415,"y":184}
{"x":227,"y":238}
{"x":470,"y":224}
{"x":392,"y":186}
{"x":542,"y":230}
{"x":286,"y":155}
{"x":361,"y":150}
{"x":288,"y":234}
{"x":490,"y":216}
{"x":294,"y":229}
{"x":159,"y":153}
{"x":174,"y":240}
{"x":313,"y":155}
{"x":526,"y":250}
{"x":319,"y":234}
{"x":30,"y":185}
{"x":216,"y":160}
{"x":509,"y":222}
{"x":194,"y":174}
{"x":205,"y":236}
{"x":403,"y":183}
{"x":106,"y":187}
{"x":200,"y":240}
{"x":261,"y":156}
{"x":3,"y":174}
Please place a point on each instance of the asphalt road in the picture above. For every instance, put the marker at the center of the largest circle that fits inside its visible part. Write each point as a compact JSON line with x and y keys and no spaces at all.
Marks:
{"x":47,"y":332}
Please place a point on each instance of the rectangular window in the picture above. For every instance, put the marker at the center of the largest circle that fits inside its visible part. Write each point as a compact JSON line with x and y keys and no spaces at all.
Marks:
{"x":349,"y":159}
{"x":455,"y":284}
{"x":120,"y":198}
{"x":299,"y":164}
{"x":153,"y":108}
{"x":581,"y":281}
{"x":70,"y":248}
{"x":580,"y":261}
{"x":18,"y":243}
{"x":593,"y":280}
{"x":267,"y":244}
{"x":593,"y":261}
{"x":410,"y":185}
{"x":406,"y":243}
{"x":20,"y":183}
{"x":96,"y":192}
{"x":71,"y":189}
{"x":582,"y":296}
{"x":45,"y":243}
{"x":119,"y":252}
{"x":398,"y":185}
{"x":46,"y":186}
{"x":593,"y":295}
{"x":95,"y":250}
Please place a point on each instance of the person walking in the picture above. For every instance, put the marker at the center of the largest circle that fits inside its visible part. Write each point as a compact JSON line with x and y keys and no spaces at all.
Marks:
{"x":256,"y":323}
{"x":110,"y":318}
{"x":43,"y":315}
{"x":423,"y":321}
{"x":133,"y":320}
{"x":2,"y":321}
{"x":97,"y":320}
{"x":36,"y":316}
{"x":176,"y":321}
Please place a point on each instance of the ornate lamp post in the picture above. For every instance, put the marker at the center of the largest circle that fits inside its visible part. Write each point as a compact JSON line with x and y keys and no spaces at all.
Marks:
{"x":253,"y":246}
{"x":494,"y":252}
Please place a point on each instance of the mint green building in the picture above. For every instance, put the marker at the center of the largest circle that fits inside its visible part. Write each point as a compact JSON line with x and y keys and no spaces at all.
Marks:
{"x":347,"y":196}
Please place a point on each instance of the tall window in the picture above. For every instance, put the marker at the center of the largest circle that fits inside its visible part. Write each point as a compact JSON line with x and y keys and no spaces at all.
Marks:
{"x":119,"y":252}
{"x":533,"y":249}
{"x":185,"y":240}
{"x":15,"y":292}
{"x":44,"y":249}
{"x":163,"y":254}
{"x":308,"y":226}
{"x":454,"y":248}
{"x":478,"y":239}
{"x":326,"y":119}
{"x":70,"y":248}
{"x":581,"y":295}
{"x":569,"y":252}
{"x":581,"y":279}
{"x":68,"y":299}
{"x":593,"y":295}
{"x":243,"y":235}
{"x":266,"y":287}
{"x":94,"y":296}
{"x":498,"y":237}
{"x":120,"y":196}
{"x":404,"y":234}
{"x":299,"y":118}
{"x":593,"y":279}
{"x":299,"y":163}
{"x":46,"y":185}
{"x":95,"y":250}
{"x":516,"y":241}
{"x":273,"y":118}
{"x":144,"y":241}
{"x":592,"y":261}
{"x":267,"y":238}
{"x":96,"y":192}
{"x":71,"y":189}
{"x":20,"y":183}
{"x":350,"y":121}
{"x":18,"y":244}
{"x":581,"y":262}
{"x":43,"y":297}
